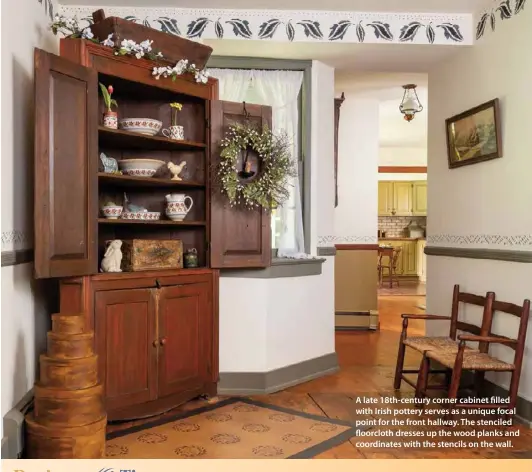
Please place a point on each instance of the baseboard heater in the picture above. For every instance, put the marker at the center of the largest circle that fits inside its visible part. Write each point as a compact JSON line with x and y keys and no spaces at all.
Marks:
{"x":13,"y":423}
{"x":356,"y":320}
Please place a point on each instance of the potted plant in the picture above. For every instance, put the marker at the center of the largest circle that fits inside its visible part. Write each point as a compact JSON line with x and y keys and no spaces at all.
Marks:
{"x":110,"y":118}
{"x":175,"y":131}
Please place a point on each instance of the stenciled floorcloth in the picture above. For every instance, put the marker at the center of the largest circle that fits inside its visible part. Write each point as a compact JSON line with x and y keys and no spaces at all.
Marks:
{"x":235,"y":428}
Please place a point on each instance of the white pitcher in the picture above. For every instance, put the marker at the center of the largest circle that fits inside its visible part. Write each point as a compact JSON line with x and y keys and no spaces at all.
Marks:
{"x":176,"y":206}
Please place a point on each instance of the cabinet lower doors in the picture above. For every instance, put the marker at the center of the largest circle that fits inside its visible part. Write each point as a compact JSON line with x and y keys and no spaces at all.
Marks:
{"x":153,"y":343}
{"x":125,"y":330}
{"x":185,"y":338}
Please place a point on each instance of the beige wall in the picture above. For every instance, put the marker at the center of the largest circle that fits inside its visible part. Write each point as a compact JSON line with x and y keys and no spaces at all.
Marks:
{"x":355,"y":281}
{"x":485,"y":205}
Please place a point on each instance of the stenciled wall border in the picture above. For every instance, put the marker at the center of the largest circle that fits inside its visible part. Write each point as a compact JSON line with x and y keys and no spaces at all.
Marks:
{"x":480,"y":241}
{"x":288,"y":26}
{"x":501,"y":10}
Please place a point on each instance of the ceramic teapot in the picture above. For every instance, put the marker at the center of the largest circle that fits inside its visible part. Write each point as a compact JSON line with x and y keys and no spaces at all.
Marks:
{"x":176,"y":206}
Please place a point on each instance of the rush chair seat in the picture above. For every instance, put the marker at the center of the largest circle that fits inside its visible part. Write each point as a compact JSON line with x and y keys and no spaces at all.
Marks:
{"x":446,"y":344}
{"x":480,"y":360}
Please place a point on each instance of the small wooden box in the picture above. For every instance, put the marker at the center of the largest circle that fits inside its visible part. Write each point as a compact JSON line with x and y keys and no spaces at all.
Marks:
{"x":149,"y":254}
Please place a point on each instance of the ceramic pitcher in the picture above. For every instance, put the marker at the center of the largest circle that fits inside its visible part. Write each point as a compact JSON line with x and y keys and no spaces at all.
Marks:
{"x":176,"y":206}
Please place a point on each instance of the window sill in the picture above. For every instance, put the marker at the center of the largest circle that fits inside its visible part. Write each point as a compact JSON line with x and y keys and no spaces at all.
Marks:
{"x":280,"y":268}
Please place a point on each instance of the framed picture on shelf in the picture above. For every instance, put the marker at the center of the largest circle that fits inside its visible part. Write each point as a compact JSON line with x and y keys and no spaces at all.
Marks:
{"x":474,"y":135}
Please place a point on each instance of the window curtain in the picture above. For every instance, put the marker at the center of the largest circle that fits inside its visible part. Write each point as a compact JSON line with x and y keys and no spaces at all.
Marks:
{"x":280,"y":89}
{"x":233,"y":84}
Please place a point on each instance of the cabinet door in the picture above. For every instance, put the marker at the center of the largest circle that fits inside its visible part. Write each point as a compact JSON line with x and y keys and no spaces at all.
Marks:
{"x":419,"y":198}
{"x":124,"y":338}
{"x":185,"y":338}
{"x":402,"y":198}
{"x":385,"y":198}
{"x":410,"y":258}
{"x":66,"y":166}
{"x":239,"y":237}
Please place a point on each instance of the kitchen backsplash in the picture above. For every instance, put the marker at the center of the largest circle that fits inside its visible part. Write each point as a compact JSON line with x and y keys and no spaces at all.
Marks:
{"x":396,"y":226}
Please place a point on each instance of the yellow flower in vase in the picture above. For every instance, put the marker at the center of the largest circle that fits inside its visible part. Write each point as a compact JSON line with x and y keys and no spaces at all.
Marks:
{"x":175,"y":108}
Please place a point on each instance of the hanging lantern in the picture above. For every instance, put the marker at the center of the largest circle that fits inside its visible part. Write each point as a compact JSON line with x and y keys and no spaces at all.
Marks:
{"x":410,"y":104}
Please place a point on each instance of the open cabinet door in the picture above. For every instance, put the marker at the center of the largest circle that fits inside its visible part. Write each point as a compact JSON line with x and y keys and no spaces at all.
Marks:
{"x":66,"y":167}
{"x":240,"y":238}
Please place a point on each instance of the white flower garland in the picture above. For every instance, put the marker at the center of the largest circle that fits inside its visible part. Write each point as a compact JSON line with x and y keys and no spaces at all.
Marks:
{"x":69,"y":27}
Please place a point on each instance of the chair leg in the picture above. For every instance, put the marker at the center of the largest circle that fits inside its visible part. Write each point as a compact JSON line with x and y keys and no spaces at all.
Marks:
{"x":423,"y":377}
{"x":400,"y":357}
{"x":514,"y":384}
{"x":479,"y":382}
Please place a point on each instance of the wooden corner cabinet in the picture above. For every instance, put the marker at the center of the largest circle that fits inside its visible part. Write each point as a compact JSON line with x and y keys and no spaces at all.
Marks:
{"x":156,"y":331}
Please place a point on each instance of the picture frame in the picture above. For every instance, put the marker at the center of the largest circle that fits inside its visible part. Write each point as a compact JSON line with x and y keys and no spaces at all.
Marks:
{"x":474,"y":135}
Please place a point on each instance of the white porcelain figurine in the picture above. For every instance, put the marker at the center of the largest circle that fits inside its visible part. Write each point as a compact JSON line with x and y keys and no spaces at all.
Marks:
{"x":176,"y":169}
{"x":113,"y":257}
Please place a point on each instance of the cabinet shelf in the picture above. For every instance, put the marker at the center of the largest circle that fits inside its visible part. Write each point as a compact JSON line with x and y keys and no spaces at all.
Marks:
{"x":130,"y":181}
{"x":149,"y":223}
{"x":117,"y":138}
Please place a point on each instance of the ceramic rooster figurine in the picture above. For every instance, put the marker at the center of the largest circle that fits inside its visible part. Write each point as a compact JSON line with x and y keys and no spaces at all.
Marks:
{"x":176,"y":169}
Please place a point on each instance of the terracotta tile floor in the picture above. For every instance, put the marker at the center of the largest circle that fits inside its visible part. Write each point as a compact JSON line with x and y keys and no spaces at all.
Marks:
{"x":367,"y":361}
{"x":407,"y":287}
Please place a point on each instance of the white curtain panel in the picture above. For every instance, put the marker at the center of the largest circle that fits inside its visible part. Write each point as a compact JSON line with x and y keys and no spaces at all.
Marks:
{"x":233,"y":84}
{"x":280,"y":89}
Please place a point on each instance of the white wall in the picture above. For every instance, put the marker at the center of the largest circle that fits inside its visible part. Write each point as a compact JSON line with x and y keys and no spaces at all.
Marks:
{"x":402,"y":156}
{"x":24,"y":315}
{"x":267,"y":324}
{"x":358,"y":154}
{"x":487,"y":199}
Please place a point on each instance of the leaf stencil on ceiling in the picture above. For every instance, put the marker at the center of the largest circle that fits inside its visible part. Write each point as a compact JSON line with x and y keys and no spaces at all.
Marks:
{"x":268,"y":28}
{"x":505,"y":13}
{"x":505,"y":10}
{"x":196,"y":28}
{"x":218,"y":29}
{"x":451,"y":31}
{"x":290,"y":31}
{"x":311,"y":29}
{"x":339,"y":29}
{"x":169,"y":25}
{"x":381,"y":30}
{"x":241,"y":28}
{"x":409,"y":31}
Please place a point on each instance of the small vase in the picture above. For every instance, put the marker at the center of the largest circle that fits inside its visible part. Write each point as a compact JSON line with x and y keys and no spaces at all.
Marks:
{"x":110,"y":119}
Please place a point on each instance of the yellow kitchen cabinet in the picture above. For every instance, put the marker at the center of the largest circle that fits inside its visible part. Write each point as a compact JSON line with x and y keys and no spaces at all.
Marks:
{"x":385,"y":198}
{"x":421,"y":260}
{"x":407,"y":262}
{"x":419,"y":198}
{"x":402,"y":199}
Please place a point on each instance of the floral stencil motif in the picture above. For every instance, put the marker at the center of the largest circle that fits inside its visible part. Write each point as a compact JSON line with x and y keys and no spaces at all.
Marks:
{"x":267,"y":451}
{"x":323,"y":427}
{"x":114,"y":450}
{"x":184,"y":427}
{"x":152,"y":438}
{"x":255,"y":428}
{"x":190,"y":451}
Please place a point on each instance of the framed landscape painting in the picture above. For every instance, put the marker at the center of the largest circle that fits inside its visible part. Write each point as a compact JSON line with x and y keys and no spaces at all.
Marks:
{"x":474,"y":135}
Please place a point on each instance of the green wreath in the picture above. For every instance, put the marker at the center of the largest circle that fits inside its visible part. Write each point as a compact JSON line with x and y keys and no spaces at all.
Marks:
{"x":269,"y":187}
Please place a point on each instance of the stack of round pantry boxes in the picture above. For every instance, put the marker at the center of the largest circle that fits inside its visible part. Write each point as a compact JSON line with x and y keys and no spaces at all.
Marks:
{"x":68,"y":420}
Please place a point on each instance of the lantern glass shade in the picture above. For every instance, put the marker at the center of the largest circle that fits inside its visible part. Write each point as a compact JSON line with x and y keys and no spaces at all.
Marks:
{"x":410,"y":104}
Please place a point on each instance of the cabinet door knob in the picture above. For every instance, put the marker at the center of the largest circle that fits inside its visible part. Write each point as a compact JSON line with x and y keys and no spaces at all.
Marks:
{"x":163,"y":341}
{"x":155,"y":343}
{"x":157,"y":283}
